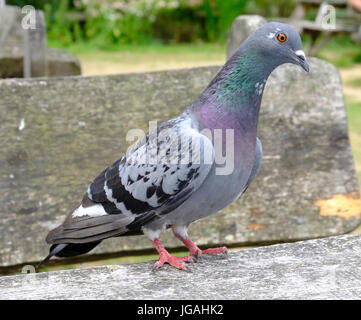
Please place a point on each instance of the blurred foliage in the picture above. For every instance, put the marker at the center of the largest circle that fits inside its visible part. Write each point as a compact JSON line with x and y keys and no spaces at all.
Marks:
{"x":108,"y":22}
{"x":340,"y":51}
{"x":269,"y":8}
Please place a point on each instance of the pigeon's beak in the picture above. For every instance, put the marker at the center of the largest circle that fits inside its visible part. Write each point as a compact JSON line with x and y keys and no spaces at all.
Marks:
{"x":301,"y":60}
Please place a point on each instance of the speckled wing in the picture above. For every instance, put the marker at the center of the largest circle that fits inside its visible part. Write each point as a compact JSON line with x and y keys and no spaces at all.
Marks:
{"x":157,"y":174}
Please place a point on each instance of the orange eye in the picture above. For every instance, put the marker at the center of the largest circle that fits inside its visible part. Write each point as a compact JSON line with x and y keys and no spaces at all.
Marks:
{"x":281,"y":37}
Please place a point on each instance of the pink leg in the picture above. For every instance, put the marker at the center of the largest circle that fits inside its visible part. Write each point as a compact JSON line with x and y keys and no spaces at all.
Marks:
{"x":194,"y":251}
{"x":165,"y":257}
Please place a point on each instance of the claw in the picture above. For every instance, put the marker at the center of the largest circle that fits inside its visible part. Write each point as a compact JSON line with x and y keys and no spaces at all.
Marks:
{"x":172,"y":260}
{"x":180,"y":262}
{"x":193,"y":248}
{"x":165,"y":257}
{"x":189,"y":258}
{"x":222,"y":250}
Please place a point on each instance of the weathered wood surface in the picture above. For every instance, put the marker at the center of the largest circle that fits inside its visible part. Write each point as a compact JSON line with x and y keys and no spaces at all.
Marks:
{"x":58,"y":134}
{"x":11,"y":40}
{"x":59,"y":63}
{"x":315,"y":269}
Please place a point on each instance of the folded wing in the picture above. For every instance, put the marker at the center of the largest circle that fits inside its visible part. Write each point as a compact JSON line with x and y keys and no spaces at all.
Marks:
{"x":157,"y":174}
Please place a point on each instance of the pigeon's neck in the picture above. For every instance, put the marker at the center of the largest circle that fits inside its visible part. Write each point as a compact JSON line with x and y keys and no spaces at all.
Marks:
{"x":241,"y":81}
{"x":236,"y":90}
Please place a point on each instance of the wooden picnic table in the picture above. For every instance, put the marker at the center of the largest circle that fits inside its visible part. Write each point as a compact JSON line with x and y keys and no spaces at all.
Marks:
{"x":321,"y":30}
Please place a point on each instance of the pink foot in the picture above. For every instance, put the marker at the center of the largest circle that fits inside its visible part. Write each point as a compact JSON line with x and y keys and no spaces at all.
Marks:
{"x":165,"y":257}
{"x":186,"y":258}
{"x":194,"y":251}
{"x":211,"y":251}
{"x":222,"y":250}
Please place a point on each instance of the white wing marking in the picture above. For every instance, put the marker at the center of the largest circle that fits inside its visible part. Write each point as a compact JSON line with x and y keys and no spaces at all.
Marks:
{"x":93,"y":211}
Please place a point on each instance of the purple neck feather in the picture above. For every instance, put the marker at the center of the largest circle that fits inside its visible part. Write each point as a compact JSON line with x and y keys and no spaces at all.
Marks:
{"x":233,"y":98}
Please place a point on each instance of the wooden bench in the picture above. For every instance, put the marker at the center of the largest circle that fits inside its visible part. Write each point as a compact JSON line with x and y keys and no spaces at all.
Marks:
{"x":327,"y":268}
{"x":347,"y":21}
{"x":24,"y":51}
{"x":57,"y":134}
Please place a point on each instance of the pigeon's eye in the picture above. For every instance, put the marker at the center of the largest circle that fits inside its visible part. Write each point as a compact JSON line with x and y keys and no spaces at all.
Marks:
{"x":281,"y":37}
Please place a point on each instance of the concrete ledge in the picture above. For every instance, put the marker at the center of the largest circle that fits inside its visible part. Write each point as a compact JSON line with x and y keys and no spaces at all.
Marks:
{"x":328,"y":268}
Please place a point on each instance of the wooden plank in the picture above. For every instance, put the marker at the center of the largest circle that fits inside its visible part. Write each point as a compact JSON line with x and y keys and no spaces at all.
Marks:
{"x":314,"y":26}
{"x":57,"y":134}
{"x":35,"y":48}
{"x":316,"y":269}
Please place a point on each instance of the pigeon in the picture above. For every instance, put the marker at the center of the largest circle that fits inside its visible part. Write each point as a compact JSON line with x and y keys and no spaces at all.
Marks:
{"x":189,"y":167}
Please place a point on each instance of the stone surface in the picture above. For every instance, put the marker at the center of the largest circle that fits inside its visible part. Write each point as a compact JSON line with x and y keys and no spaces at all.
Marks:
{"x":241,"y":28}
{"x":315,"y":269}
{"x":57,"y":134}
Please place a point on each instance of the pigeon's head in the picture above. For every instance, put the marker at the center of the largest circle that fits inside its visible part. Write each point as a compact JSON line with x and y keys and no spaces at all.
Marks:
{"x":280,"y":43}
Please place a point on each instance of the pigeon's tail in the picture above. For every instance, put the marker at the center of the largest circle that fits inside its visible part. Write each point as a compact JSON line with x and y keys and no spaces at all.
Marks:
{"x":68,"y":250}
{"x":54,"y":250}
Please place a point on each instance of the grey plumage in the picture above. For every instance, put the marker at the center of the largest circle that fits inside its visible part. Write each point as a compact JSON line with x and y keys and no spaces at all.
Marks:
{"x":170,"y":177}
{"x":256,"y":164}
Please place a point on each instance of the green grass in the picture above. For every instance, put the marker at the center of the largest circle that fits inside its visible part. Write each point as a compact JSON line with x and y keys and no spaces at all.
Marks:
{"x":341,"y":52}
{"x":140,"y":58}
{"x":84,"y":47}
{"x":356,"y":82}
